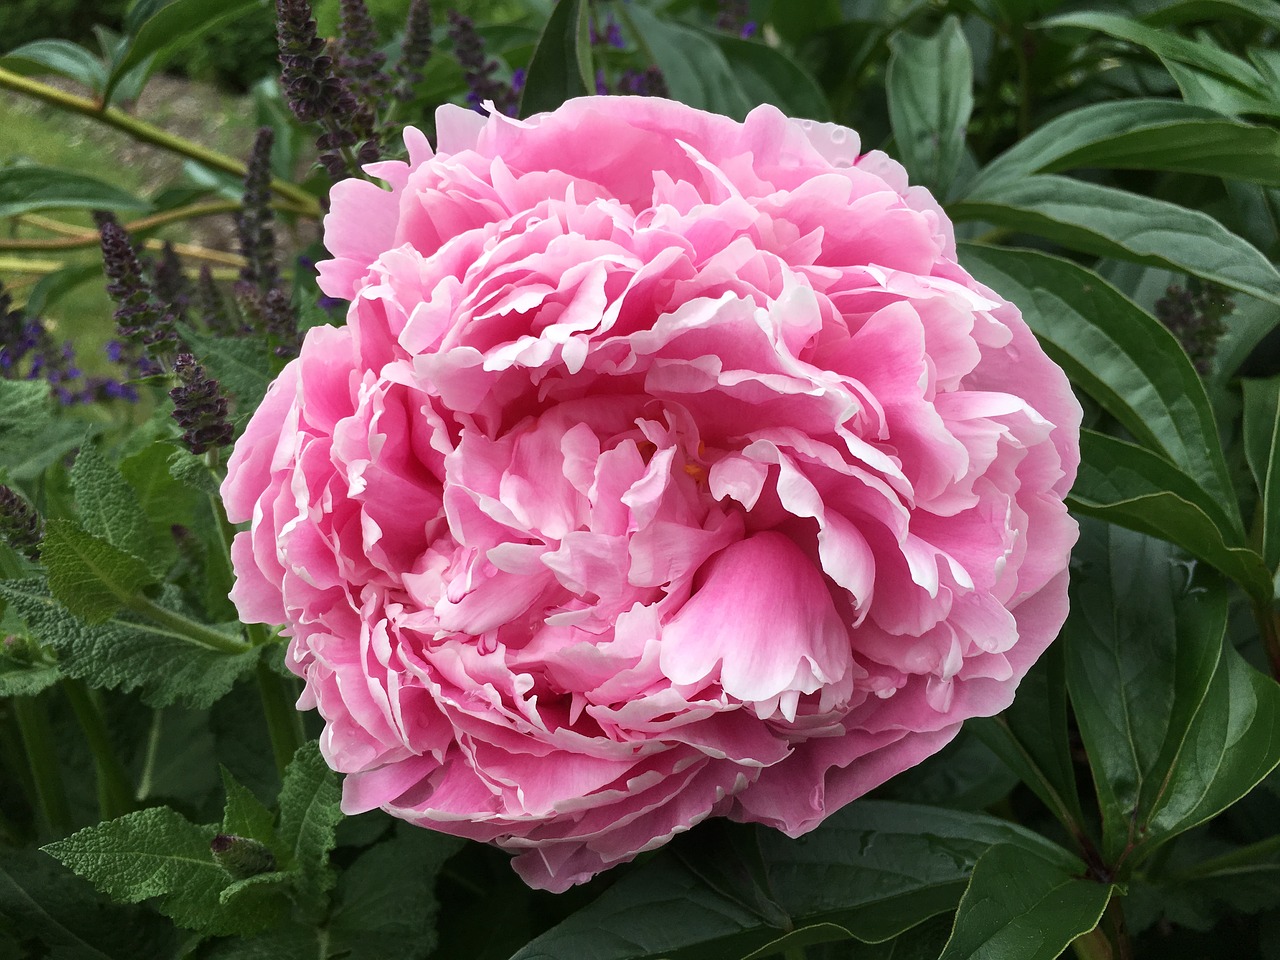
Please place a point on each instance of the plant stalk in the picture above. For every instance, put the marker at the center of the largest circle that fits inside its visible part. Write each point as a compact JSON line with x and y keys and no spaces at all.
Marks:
{"x":284,"y":722}
{"x":115,"y":792}
{"x":46,"y":776}
{"x":147,"y":133}
{"x":186,"y":627}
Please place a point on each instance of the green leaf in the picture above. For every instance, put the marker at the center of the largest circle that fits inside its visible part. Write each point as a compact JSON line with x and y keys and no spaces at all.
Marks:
{"x":1122,"y":357}
{"x":62,"y":57}
{"x":1190,"y":11}
{"x":873,"y":870}
{"x":25,"y":679}
{"x":92,"y":578}
{"x":769,"y":76}
{"x":156,"y":853}
{"x":1032,"y":737}
{"x":1262,"y":450}
{"x":1171,"y":48}
{"x":31,"y":436}
{"x":930,"y":85}
{"x":309,"y":812}
{"x":1143,"y":135}
{"x":191,"y":472}
{"x":27,"y":189}
{"x":1115,"y":223}
{"x":166,"y":502}
{"x":561,"y":67}
{"x":240,"y":366}
{"x":245,"y":815}
{"x":108,"y":506}
{"x":167,"y":32}
{"x":1021,"y":904}
{"x":1176,"y":725}
{"x":1127,"y":485}
{"x":385,"y":905}
{"x":127,"y":655}
{"x":51,"y":912}
{"x":695,"y":69}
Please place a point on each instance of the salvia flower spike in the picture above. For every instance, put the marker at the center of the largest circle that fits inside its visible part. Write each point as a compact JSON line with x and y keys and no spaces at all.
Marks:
{"x":199,"y":407}
{"x":20,"y":524}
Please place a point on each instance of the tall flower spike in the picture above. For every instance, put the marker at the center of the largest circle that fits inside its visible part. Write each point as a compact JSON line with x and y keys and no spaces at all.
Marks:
{"x":171,"y":284}
{"x":360,"y":62}
{"x":141,"y":319}
{"x":306,"y":71}
{"x":468,"y":47}
{"x":20,"y":525}
{"x":213,"y":308}
{"x":415,"y":50}
{"x":255,"y":223}
{"x":199,"y":407}
{"x":281,"y":321}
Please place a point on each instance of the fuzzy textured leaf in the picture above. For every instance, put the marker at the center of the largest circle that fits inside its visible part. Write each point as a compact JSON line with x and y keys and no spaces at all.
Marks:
{"x":90,"y":576}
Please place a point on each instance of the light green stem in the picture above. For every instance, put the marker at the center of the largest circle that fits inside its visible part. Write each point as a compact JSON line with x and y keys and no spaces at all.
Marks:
{"x":115,"y":792}
{"x":284,"y":722}
{"x":186,"y":627}
{"x":147,"y":133}
{"x":38,"y":740}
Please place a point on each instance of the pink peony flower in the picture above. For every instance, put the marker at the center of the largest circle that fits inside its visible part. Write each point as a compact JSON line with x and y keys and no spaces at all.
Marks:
{"x":668,"y":467}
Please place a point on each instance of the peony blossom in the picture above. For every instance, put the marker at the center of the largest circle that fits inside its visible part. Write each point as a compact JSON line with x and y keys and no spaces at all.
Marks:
{"x":667,"y":467}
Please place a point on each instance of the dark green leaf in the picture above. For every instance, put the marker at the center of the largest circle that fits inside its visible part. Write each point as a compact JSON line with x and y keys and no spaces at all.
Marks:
{"x":1190,"y":11}
{"x":1119,"y":355}
{"x":25,"y":679}
{"x":1033,"y":739}
{"x":108,"y":506}
{"x":27,"y":189}
{"x":168,"y":31}
{"x":309,"y":811}
{"x":245,"y":815}
{"x":930,"y":87}
{"x":874,"y":869}
{"x":1021,"y":904}
{"x":125,"y":654}
{"x":695,"y":69}
{"x":157,"y":853}
{"x":62,"y":57}
{"x":1176,"y":725}
{"x":92,"y":578}
{"x":769,"y":76}
{"x":561,"y":67}
{"x":1143,"y":135}
{"x":1124,"y":484}
{"x":1115,"y":223}
{"x":385,"y":906}
{"x":1262,"y":449}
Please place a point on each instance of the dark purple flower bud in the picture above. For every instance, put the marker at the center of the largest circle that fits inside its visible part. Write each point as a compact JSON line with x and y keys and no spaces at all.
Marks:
{"x":602,"y":86}
{"x":468,"y":47}
{"x":141,"y":319}
{"x":360,"y":62}
{"x":213,"y":306}
{"x":255,"y":223}
{"x":20,"y":524}
{"x":415,"y":49}
{"x":199,"y":407}
{"x":306,"y":71}
{"x":732,"y":16}
{"x":613,"y":35}
{"x":281,"y":322}
{"x":1194,"y":315}
{"x":749,"y":30}
{"x":241,"y":857}
{"x":643,"y":83}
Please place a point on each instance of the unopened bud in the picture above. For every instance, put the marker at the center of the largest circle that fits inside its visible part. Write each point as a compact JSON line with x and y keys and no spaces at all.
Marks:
{"x":241,"y":857}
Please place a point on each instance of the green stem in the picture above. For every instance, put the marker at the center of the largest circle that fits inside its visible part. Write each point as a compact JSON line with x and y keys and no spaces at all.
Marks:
{"x":284,"y":722}
{"x":147,"y":133}
{"x":38,"y":740}
{"x":115,"y":792}
{"x":185,"y":627}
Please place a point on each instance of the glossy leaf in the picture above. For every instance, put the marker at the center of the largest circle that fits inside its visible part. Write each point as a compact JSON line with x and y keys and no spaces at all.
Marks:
{"x":1124,"y":484}
{"x":930,"y":87}
{"x":1122,"y":357}
{"x":561,"y":66}
{"x":1175,"y":725}
{"x":1115,"y":223}
{"x":1023,"y":904}
{"x":167,"y":32}
{"x":1262,"y":449}
{"x":1143,"y":135}
{"x":874,"y":870}
{"x":1032,"y":737}
{"x":1192,"y":11}
{"x":695,"y":69}
{"x":62,"y":57}
{"x":27,"y":189}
